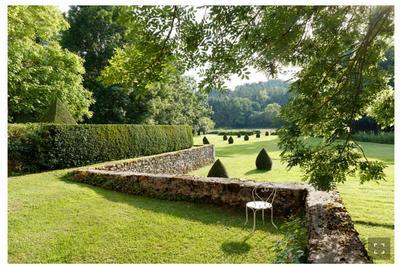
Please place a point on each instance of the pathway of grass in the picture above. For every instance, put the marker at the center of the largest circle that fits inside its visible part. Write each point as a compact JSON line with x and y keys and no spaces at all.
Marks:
{"x":52,"y":220}
{"x":371,"y":205}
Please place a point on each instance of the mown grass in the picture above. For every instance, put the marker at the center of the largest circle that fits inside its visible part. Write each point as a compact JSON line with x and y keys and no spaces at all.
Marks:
{"x":371,"y":205}
{"x":53,"y":220}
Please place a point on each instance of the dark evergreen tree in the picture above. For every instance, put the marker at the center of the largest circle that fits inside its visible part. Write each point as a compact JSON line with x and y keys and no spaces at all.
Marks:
{"x":225,"y":137}
{"x":246,"y":137}
{"x":230,"y":140}
{"x":257,"y":135}
{"x":57,"y":113}
{"x":263,"y":161}
{"x":218,"y":170}
{"x":267,"y":133}
{"x":205,"y":141}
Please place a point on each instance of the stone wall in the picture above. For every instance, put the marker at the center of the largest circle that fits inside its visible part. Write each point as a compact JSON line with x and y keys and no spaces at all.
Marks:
{"x":177,"y":162}
{"x":331,"y":234}
{"x":332,"y":237}
{"x":231,"y":192}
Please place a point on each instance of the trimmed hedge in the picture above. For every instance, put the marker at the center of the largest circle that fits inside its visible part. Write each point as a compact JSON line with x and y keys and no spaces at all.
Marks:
{"x":236,"y":132}
{"x":34,"y":147}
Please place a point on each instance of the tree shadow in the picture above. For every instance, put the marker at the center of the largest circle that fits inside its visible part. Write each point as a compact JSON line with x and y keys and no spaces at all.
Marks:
{"x":235,"y":247}
{"x":195,"y":211}
{"x":390,"y":226}
{"x":255,"y":171}
{"x":246,"y":149}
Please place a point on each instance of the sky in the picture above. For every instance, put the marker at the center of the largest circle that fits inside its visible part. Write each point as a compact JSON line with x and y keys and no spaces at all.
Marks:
{"x":235,"y":80}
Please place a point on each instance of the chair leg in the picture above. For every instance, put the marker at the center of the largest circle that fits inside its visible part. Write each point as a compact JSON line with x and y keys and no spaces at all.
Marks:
{"x":254,"y":219}
{"x":263,"y":216}
{"x":247,"y":216}
{"x":272,"y":217}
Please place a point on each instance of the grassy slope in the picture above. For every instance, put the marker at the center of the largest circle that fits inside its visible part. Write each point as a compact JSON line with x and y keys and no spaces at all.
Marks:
{"x":52,"y":220}
{"x":371,"y":205}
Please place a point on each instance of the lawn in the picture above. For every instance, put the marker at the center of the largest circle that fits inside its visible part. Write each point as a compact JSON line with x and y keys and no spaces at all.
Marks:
{"x":371,"y":205}
{"x":52,"y":220}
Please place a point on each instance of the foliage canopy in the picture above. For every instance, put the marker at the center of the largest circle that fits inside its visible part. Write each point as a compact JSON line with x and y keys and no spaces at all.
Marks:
{"x":337,"y":48}
{"x":38,"y":68}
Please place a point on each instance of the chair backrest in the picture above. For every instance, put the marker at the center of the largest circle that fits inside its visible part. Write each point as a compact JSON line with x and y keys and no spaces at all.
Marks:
{"x":268,"y":193}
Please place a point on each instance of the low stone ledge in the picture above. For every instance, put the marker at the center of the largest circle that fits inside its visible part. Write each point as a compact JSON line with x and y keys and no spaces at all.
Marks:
{"x":332,"y":237}
{"x":231,"y":192}
{"x":176,"y":162}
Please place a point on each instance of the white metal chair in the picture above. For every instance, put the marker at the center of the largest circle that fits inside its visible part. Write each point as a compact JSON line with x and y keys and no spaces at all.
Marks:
{"x":260,"y":203}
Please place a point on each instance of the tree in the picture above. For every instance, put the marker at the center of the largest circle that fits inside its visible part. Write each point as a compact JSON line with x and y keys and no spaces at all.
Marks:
{"x":243,"y":107}
{"x":218,"y":170}
{"x":178,"y":101}
{"x":338,"y":49}
{"x":94,"y":33}
{"x":263,"y":161}
{"x":39,"y":69}
{"x":57,"y":113}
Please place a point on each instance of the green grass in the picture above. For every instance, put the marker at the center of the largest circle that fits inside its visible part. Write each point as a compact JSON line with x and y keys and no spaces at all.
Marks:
{"x":53,"y":220}
{"x":370,"y":205}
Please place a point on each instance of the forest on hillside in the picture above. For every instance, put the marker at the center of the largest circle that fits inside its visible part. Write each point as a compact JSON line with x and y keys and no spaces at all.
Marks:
{"x":251,"y":105}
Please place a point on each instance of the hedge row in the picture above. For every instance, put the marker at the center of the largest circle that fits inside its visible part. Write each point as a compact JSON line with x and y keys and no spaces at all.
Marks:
{"x":237,"y":132}
{"x":34,"y":147}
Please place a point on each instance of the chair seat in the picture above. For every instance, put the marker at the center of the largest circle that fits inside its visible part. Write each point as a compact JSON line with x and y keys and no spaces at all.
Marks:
{"x":259,"y":205}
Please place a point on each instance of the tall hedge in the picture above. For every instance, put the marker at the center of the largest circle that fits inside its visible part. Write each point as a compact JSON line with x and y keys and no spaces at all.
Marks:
{"x":34,"y":147}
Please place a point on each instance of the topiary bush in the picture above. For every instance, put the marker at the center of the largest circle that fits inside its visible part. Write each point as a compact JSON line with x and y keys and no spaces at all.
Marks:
{"x":257,"y":135}
{"x":205,"y":141}
{"x":57,"y":113}
{"x":238,"y":135}
{"x":267,"y":133}
{"x":218,"y":170}
{"x":246,"y":137}
{"x":225,"y":137}
{"x":263,"y":161}
{"x":38,"y":147}
{"x":230,"y":140}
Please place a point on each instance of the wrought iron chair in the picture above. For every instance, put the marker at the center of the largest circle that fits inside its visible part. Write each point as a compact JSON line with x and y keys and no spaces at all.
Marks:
{"x":260,"y":203}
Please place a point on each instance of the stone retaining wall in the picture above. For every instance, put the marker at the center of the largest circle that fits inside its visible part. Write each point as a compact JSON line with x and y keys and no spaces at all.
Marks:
{"x":177,"y":162}
{"x":332,"y":237}
{"x":231,"y":192}
{"x":331,"y":234}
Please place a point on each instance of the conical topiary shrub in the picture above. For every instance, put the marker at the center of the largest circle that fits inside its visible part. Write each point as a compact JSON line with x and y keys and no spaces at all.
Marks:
{"x":257,"y":135}
{"x":218,"y":170}
{"x":263,"y":161}
{"x":267,"y":133}
{"x":205,"y":141}
{"x":246,"y":137}
{"x":57,"y":113}
{"x":230,"y":140}
{"x":225,"y":137}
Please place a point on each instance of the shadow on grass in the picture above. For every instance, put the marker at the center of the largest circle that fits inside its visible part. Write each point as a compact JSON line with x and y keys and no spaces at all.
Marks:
{"x":195,"y":211}
{"x":247,"y":148}
{"x":233,"y":247}
{"x":237,"y":247}
{"x":390,"y":226}
{"x":255,"y":171}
